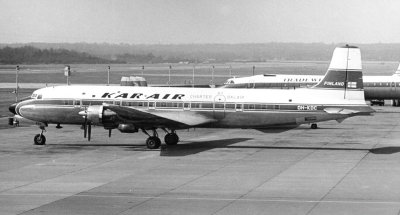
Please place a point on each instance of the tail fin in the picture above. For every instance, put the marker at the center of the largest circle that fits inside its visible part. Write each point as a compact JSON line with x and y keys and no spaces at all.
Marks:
{"x":345,"y":71}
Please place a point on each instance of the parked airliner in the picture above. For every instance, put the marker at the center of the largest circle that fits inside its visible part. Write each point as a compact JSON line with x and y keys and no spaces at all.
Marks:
{"x":337,"y":96}
{"x":375,"y":87}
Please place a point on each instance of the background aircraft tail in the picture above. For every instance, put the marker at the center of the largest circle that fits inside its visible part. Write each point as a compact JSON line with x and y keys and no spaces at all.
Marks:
{"x":344,"y":72}
{"x":397,"y":71}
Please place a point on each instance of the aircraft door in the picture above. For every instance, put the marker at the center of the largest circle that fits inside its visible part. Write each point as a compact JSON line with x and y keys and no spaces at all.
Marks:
{"x":186,"y":106}
{"x":152,"y":105}
{"x":77,"y":103}
{"x":239,"y":107}
{"x":219,"y":107}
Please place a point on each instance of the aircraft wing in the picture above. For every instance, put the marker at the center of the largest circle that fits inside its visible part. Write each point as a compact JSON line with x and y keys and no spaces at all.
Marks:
{"x":150,"y":118}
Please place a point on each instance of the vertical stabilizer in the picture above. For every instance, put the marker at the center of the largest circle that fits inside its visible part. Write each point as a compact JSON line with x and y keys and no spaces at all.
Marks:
{"x":345,"y":71}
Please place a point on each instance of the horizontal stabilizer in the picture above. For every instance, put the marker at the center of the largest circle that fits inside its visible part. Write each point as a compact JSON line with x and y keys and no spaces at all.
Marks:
{"x":340,"y":111}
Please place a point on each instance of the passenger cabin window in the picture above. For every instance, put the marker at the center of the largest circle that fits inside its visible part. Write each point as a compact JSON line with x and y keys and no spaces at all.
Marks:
{"x":68,"y":102}
{"x":230,"y":106}
{"x":249,"y":106}
{"x":219,"y":106}
{"x":108,"y":102}
{"x":195,"y":105}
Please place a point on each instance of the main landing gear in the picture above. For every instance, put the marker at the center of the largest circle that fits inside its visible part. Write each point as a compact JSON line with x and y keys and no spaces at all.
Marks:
{"x":314,"y":126}
{"x":154,"y":142}
{"x":171,"y":138}
{"x":40,"y":139}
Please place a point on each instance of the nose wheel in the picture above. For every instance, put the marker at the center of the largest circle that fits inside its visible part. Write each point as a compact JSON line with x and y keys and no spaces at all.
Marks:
{"x":40,"y":139}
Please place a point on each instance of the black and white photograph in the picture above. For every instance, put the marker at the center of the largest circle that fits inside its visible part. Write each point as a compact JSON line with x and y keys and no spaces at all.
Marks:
{"x":208,"y":107}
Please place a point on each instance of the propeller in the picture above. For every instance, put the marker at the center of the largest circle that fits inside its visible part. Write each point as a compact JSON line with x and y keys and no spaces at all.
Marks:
{"x":109,"y":133}
{"x":87,"y":124}
{"x":89,"y":130}
{"x":85,"y":127}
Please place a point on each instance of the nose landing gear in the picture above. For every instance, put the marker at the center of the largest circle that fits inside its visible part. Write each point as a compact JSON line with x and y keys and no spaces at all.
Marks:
{"x":40,"y":139}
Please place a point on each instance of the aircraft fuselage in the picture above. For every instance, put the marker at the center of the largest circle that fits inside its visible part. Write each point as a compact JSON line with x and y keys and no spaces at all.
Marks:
{"x":224,"y":108}
{"x":375,"y":87}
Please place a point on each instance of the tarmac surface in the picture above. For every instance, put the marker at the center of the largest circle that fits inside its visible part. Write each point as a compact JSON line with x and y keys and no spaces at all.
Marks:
{"x":347,"y":168}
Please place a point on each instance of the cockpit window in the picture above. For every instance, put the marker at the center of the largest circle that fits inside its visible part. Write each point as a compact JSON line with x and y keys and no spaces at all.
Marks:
{"x":33,"y":96}
{"x":39,"y":96}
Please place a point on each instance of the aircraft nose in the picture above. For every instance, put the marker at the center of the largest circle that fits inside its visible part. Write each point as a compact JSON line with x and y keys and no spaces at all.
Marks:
{"x":12,"y":108}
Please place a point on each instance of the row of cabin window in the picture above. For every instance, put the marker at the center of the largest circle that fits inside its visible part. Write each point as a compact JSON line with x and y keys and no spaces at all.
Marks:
{"x":202,"y":105}
{"x":176,"y":105}
{"x":387,"y":84}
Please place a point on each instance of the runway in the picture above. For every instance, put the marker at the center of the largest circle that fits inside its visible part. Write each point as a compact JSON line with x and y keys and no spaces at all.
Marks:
{"x":347,"y":168}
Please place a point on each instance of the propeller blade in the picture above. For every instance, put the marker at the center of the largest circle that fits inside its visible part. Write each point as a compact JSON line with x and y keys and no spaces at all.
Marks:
{"x":85,"y":128}
{"x":89,"y":130}
{"x":109,"y":133}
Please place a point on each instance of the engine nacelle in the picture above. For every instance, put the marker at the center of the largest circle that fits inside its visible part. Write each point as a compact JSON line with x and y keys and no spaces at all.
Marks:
{"x":98,"y":116}
{"x":110,"y":119}
{"x":94,"y":114}
{"x":127,"y":128}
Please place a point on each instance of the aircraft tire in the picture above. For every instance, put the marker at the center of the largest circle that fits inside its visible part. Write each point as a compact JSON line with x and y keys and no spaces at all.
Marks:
{"x":314,"y":126}
{"x":171,"y":139}
{"x":39,"y":139}
{"x":153,"y":143}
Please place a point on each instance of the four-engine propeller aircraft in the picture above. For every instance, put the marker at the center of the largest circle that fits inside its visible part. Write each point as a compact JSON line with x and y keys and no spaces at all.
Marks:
{"x":129,"y":109}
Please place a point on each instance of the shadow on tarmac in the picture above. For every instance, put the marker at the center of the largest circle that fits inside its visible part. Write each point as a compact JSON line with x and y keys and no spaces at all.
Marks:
{"x":385,"y":150}
{"x":190,"y":148}
{"x":196,"y":147}
{"x":78,"y":146}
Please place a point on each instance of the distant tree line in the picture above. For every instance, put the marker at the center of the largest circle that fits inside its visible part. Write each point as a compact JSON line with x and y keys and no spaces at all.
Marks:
{"x":148,"y":58}
{"x":32,"y":55}
{"x":188,"y":53}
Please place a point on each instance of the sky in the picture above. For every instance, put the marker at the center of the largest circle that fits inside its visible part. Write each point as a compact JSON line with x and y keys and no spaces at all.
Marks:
{"x":199,"y":21}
